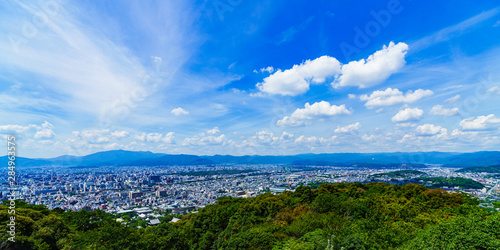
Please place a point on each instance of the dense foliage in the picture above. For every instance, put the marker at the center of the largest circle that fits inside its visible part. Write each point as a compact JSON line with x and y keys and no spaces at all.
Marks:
{"x":464,"y":183}
{"x":400,"y":174}
{"x":334,"y":216}
{"x":488,"y":169}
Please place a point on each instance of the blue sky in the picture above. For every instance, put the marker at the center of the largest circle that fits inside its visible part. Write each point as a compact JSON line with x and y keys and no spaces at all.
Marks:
{"x":244,"y":77}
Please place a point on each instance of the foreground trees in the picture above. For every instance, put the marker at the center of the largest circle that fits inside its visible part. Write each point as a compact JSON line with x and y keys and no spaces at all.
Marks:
{"x":334,"y":216}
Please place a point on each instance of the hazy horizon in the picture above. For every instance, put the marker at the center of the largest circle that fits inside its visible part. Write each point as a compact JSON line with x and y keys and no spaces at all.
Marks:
{"x":266,"y":78}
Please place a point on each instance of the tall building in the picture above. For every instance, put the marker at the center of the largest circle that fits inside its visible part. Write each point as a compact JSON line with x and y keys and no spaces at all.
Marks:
{"x":134,"y":194}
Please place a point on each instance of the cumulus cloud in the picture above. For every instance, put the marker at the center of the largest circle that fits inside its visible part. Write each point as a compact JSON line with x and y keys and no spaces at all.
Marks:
{"x":349,"y":128}
{"x":405,"y":125}
{"x":119,"y":134}
{"x":314,"y":141}
{"x":439,"y":110}
{"x":430,"y":130}
{"x":90,"y":136}
{"x":479,"y":123}
{"x":266,"y":137}
{"x":269,"y":70}
{"x":213,"y":131}
{"x":45,"y":133}
{"x":317,"y":110}
{"x":374,"y":70}
{"x":155,"y":137}
{"x":464,"y":134}
{"x":203,"y":139}
{"x":286,"y":136}
{"x":169,"y":138}
{"x":295,"y":81}
{"x":179,"y":111}
{"x":408,"y":114}
{"x":367,"y":137}
{"x":47,"y":124}
{"x":363,"y":73}
{"x":14,"y":129}
{"x":392,"y":96}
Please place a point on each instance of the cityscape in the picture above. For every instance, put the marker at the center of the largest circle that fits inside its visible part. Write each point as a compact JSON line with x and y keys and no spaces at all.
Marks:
{"x":186,"y":189}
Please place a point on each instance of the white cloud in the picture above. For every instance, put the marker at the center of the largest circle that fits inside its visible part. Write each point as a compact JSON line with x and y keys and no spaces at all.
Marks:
{"x":494,"y":90}
{"x":363,"y":73}
{"x":464,"y":134}
{"x":374,"y":70}
{"x":295,"y":81}
{"x":213,"y":131}
{"x":454,"y":30}
{"x":479,"y":123}
{"x":439,"y":110}
{"x":120,"y":134}
{"x":179,"y":111}
{"x":47,"y":124}
{"x":430,"y":130}
{"x":351,"y":96}
{"x":202,"y":139}
{"x":84,"y":60}
{"x":269,"y":70}
{"x":169,"y":138}
{"x":88,"y":139}
{"x":141,"y":137}
{"x":286,"y":136}
{"x":155,"y":137}
{"x":406,"y":125}
{"x":367,"y":137}
{"x":392,"y":96}
{"x":407,"y":138}
{"x":314,"y":141}
{"x":349,"y":128}
{"x":453,"y":99}
{"x":317,"y":110}
{"x":408,"y":114}
{"x":45,"y":133}
{"x":265,"y":137}
{"x":14,"y":129}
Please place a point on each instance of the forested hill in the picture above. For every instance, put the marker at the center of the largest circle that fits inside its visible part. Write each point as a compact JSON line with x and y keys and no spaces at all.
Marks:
{"x":334,"y":216}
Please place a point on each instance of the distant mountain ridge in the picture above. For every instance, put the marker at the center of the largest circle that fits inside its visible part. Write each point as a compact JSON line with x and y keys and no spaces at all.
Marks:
{"x":146,"y":158}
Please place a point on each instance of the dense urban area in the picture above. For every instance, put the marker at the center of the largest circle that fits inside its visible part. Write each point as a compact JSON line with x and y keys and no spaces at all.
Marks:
{"x":146,"y":194}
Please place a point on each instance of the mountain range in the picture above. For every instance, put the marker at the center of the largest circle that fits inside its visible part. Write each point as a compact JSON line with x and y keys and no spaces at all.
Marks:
{"x":146,"y":158}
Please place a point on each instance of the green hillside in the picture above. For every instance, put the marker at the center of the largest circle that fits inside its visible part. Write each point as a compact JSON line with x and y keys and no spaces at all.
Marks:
{"x":334,"y":216}
{"x":400,"y":174}
{"x":488,"y":169}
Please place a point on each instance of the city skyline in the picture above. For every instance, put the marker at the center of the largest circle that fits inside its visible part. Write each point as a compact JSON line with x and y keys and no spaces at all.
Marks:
{"x":244,"y":78}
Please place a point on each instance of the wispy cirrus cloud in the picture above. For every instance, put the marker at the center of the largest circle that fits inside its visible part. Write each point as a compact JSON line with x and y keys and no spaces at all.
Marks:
{"x":86,"y":66}
{"x":452,"y":31}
